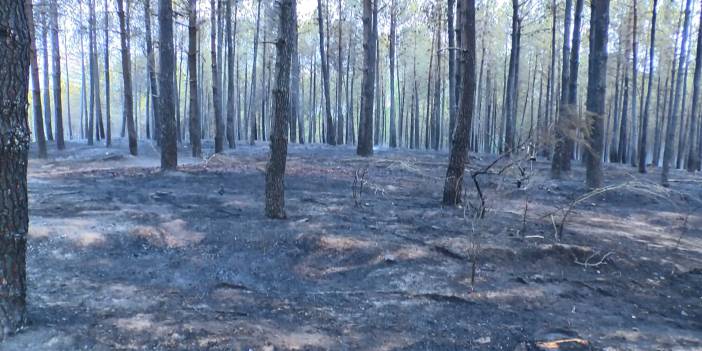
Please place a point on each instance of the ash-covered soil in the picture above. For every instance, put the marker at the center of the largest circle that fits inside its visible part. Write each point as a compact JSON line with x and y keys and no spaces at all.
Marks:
{"x":124,"y":257}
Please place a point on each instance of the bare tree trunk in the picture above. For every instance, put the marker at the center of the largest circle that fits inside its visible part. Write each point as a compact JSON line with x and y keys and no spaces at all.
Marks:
{"x":108,"y":136}
{"x":644,"y":118}
{"x":14,"y":138}
{"x":169,"y":142}
{"x":453,"y":107}
{"x":56,"y":79}
{"x":216,"y":98}
{"x":596,"y":90}
{"x":127,"y":78}
{"x":68,"y":90}
{"x":693,"y":157}
{"x":670,"y":133}
{"x":47,"y":95}
{"x":275,"y":170}
{"x":365,"y":127}
{"x":194,"y":124}
{"x":330,"y":132}
{"x":512,"y":81}
{"x":295,"y":114}
{"x":560,"y":147}
{"x":151,"y":71}
{"x":453,"y":186}
{"x":36,"y":88}
{"x":634,"y":74}
{"x":251,"y":114}
{"x":231,"y":53}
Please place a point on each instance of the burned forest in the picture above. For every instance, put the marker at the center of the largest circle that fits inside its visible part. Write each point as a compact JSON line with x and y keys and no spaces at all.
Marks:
{"x":350,"y":175}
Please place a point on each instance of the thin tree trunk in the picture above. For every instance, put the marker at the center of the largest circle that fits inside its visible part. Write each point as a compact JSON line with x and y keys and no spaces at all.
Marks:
{"x":151,"y":72}
{"x":47,"y":96}
{"x":560,"y":147}
{"x":36,"y":88}
{"x":251,"y":114}
{"x":330,"y":132}
{"x":108,"y":135}
{"x":127,"y":78}
{"x":295,"y":114}
{"x":644,"y":118}
{"x":194,"y":124}
{"x":693,"y":156}
{"x":670,"y":132}
{"x":216,"y":98}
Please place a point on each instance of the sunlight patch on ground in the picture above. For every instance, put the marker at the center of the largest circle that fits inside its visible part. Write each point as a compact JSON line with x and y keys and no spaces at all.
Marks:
{"x":171,"y":234}
{"x":80,"y":231}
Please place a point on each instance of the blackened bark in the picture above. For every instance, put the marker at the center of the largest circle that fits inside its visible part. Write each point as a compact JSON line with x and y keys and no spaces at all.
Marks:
{"x":453,"y":186}
{"x":275,"y":170}
{"x":36,"y":88}
{"x":14,"y":147}
{"x":56,"y":79}
{"x":596,"y":90}
{"x":216,"y":98}
{"x":643,"y":140}
{"x":127,"y":78}
{"x":108,"y":91}
{"x":151,"y":71}
{"x":330,"y":131}
{"x":365,"y":127}
{"x":47,"y":96}
{"x":672,"y":119}
{"x":560,"y":129}
{"x":194,"y":124}
{"x":453,"y":107}
{"x":295,"y":114}
{"x":231,"y":53}
{"x":693,"y":157}
{"x":169,"y":142}
{"x":251,"y":114}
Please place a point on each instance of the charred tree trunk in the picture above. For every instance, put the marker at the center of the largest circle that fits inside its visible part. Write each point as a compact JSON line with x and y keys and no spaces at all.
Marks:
{"x":596,"y":90}
{"x":14,"y":147}
{"x":231,"y":54}
{"x":643,"y":140}
{"x":47,"y":96}
{"x":275,"y":170}
{"x":453,"y":186}
{"x":58,"y":106}
{"x":672,"y":119}
{"x":169,"y":142}
{"x":251,"y":114}
{"x":127,"y":78}
{"x":151,"y":71}
{"x":693,"y":156}
{"x":330,"y":131}
{"x":295,"y":114}
{"x":365,"y":127}
{"x":216,"y":98}
{"x":194,"y":124}
{"x":453,"y":107}
{"x":108,"y":134}
{"x":560,"y":147}
{"x":36,"y":88}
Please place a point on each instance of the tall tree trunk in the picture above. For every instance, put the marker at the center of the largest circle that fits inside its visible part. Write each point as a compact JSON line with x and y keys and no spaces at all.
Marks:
{"x":216,"y":98}
{"x":550,"y":100}
{"x":195,"y":127}
{"x":634,"y":74}
{"x":596,"y":90}
{"x":453,"y":107}
{"x":340,"y":81}
{"x":693,"y":156}
{"x":251,"y":114}
{"x":391,"y":54}
{"x":36,"y":88}
{"x":512,"y":81}
{"x":108,"y":136}
{"x":231,"y":54}
{"x":672,"y":120}
{"x":275,"y":170}
{"x":47,"y":95}
{"x":453,"y":186}
{"x":169,"y":142}
{"x":330,"y":131}
{"x":96,"y":113}
{"x":68,"y":90}
{"x":14,"y":138}
{"x":643,"y":140}
{"x":572,"y":90}
{"x":56,"y":79}
{"x":560,"y":147}
{"x":295,"y":114}
{"x":127,"y":78}
{"x":365,"y":127}
{"x":151,"y":71}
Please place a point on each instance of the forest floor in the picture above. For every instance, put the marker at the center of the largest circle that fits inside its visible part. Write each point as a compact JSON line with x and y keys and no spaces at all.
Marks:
{"x":124,"y":257}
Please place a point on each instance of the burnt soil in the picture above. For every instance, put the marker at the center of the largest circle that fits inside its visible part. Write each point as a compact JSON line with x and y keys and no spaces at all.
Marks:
{"x":124,"y":257}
